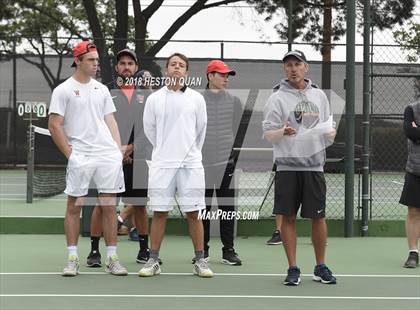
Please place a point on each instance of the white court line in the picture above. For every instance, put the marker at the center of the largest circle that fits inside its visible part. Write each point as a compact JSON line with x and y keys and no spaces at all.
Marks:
{"x":215,"y":296}
{"x":228,"y":274}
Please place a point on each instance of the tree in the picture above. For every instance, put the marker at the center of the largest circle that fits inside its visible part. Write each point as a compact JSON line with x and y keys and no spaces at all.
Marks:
{"x":307,"y":20}
{"x":22,"y":25}
{"x":142,"y":16}
{"x":107,"y":22}
{"x":409,"y":39}
{"x":49,"y":28}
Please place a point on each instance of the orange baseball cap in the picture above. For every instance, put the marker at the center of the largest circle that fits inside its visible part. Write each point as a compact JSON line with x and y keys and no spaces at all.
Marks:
{"x":82,"y":48}
{"x":220,"y":67}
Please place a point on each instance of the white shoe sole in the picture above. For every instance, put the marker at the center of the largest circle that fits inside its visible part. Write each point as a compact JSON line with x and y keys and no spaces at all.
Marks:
{"x":208,"y":275}
{"x":319,"y":279}
{"x":292,"y":283}
{"x":146,"y":275}
{"x":122,"y":273}
{"x":274,"y":243}
{"x":70,"y":274}
{"x":226,"y":262}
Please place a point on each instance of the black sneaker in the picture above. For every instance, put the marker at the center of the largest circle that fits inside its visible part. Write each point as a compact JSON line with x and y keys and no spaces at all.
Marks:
{"x":206,"y":257}
{"x":412,"y":260}
{"x":324,"y":275}
{"x":275,"y":238}
{"x":293,"y":277}
{"x":143,"y":257}
{"x":94,"y":259}
{"x":230,"y":257}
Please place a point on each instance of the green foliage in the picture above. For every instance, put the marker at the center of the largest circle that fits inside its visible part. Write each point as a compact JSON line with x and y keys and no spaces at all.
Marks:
{"x":409,"y":39}
{"x":307,"y":15}
{"x":41,"y":24}
{"x":52,"y":25}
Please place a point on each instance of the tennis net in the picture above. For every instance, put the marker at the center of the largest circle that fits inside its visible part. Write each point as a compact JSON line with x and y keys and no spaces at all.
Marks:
{"x":46,"y":166}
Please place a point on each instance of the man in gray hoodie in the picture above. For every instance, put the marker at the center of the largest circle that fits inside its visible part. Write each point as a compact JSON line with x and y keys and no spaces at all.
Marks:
{"x":297,"y":121}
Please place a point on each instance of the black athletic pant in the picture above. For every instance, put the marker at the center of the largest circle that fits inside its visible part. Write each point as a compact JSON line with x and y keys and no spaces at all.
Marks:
{"x":220,"y":179}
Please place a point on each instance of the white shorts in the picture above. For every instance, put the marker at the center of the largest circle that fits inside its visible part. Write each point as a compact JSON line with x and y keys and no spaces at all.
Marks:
{"x":187,"y":183}
{"x":104,"y":170}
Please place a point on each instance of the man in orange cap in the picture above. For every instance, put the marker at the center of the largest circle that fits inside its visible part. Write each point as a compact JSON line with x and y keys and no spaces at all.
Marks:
{"x":82,"y":125}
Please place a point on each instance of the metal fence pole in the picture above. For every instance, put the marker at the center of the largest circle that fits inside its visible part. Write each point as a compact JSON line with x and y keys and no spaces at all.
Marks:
{"x":30,"y":162}
{"x":350,"y":97}
{"x":366,"y":118}
{"x":14,"y":131}
{"x":290,"y":26}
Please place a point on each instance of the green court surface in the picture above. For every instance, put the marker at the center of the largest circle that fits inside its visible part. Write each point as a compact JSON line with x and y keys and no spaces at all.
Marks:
{"x":368,"y":270}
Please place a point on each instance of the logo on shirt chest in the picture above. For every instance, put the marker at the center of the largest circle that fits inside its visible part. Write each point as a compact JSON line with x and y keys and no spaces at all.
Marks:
{"x":140,"y":99}
{"x":77,"y":93}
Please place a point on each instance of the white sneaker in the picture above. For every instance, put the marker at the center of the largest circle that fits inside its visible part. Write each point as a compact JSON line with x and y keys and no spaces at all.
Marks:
{"x":113,"y":266}
{"x":72,"y":267}
{"x":151,"y":268}
{"x":202,"y":269}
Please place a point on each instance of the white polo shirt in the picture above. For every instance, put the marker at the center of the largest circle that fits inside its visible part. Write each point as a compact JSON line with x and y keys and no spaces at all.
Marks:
{"x":84,"y":106}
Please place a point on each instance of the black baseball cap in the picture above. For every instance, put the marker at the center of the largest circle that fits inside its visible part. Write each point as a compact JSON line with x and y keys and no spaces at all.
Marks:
{"x":127,"y":52}
{"x":297,"y":54}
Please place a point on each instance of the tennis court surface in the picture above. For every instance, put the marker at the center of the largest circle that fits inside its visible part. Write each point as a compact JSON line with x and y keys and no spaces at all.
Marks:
{"x":368,"y":270}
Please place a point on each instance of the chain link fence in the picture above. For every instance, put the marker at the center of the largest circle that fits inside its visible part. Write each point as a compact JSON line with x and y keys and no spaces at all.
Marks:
{"x":392,"y":89}
{"x":394,"y":86}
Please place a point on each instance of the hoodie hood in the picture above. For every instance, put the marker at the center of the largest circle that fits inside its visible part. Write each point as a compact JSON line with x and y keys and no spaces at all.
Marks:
{"x":285,"y":86}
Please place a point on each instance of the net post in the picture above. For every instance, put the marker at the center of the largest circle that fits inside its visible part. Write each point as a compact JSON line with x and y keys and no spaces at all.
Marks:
{"x":30,"y":164}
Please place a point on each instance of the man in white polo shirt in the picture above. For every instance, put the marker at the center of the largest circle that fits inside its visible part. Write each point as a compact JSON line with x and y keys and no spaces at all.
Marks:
{"x":175,"y":123}
{"x":83,"y":127}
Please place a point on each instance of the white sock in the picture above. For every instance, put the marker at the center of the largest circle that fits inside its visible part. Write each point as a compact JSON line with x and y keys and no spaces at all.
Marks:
{"x":72,"y":250}
{"x":414,"y":250}
{"x":111,"y":250}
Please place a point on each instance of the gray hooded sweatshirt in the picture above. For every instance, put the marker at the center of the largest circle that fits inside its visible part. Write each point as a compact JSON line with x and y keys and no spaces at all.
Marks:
{"x":307,"y":111}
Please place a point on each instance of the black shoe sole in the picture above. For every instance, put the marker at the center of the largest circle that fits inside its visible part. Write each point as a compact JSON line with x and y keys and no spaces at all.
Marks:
{"x":410,"y":266}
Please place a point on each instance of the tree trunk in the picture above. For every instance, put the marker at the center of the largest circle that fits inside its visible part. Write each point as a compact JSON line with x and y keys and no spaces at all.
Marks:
{"x":326,"y":45}
{"x":95,"y":26}
{"x":121,"y":29}
{"x":140,"y":26}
